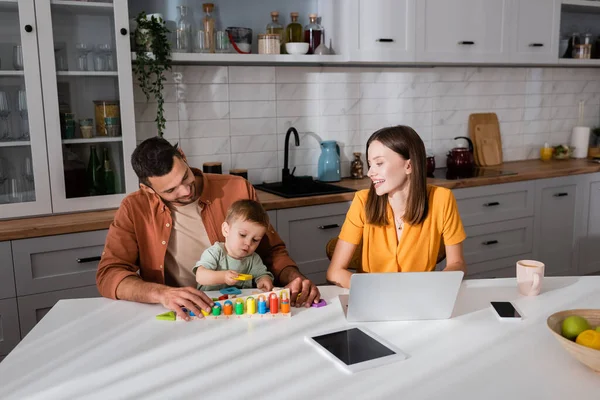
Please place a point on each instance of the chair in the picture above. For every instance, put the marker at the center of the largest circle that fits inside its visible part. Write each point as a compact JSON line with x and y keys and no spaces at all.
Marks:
{"x":356,"y":261}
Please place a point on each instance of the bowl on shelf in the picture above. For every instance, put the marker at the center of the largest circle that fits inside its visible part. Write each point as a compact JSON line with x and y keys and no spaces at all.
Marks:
{"x":586,"y":355}
{"x":240,"y":38}
{"x":296,"y":48}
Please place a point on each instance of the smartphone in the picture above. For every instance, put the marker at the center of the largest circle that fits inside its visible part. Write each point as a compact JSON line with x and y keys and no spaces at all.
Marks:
{"x":506,"y":310}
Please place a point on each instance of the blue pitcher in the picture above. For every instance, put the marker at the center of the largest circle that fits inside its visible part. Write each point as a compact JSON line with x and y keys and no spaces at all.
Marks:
{"x":329,"y":162}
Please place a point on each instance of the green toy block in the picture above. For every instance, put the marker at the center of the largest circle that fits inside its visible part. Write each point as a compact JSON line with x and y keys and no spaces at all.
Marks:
{"x":168,"y":316}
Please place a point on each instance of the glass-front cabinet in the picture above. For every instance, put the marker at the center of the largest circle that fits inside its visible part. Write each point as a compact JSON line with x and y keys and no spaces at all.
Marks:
{"x":67,"y":125}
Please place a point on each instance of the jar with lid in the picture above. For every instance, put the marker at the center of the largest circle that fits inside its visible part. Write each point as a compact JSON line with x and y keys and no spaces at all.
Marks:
{"x":208,"y":23}
{"x":574,"y":40}
{"x":356,"y":167}
{"x":313,"y":34}
{"x":276,"y":28}
{"x":582,"y":51}
{"x":184,"y":32}
{"x":293,"y":32}
{"x":269,"y":43}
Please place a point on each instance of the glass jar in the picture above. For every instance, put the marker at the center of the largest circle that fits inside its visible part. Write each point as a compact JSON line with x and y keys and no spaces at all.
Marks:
{"x":208,"y":23}
{"x":184,"y":34}
{"x":574,"y":40}
{"x":276,"y":28}
{"x":293,"y":32}
{"x":582,"y":51}
{"x":356,"y":167}
{"x":269,"y":43}
{"x":313,"y":34}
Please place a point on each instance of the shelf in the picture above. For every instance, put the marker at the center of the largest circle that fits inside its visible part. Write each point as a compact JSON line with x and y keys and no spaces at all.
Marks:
{"x":11,"y":73}
{"x":581,"y":6}
{"x":254,"y":59}
{"x":87,"y":73}
{"x":16,"y":143}
{"x":82,"y":7}
{"x":93,"y":140}
{"x":576,"y":62}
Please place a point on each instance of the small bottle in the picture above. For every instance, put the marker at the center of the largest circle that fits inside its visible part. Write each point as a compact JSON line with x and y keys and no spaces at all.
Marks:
{"x":274,"y":27}
{"x":109,"y":175}
{"x":313,"y":34}
{"x":208,"y":23}
{"x":356,"y":167}
{"x":184,"y":32}
{"x":574,"y":40}
{"x":94,"y":174}
{"x":293,"y":32}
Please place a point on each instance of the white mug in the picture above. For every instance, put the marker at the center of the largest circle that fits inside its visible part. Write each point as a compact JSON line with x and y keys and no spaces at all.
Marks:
{"x":530,"y":275}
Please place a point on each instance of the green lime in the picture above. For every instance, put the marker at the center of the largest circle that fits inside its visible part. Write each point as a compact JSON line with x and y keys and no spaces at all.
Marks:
{"x":573,"y":326}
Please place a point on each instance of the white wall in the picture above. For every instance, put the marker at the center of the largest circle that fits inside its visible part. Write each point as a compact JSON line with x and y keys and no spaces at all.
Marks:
{"x":239,"y":115}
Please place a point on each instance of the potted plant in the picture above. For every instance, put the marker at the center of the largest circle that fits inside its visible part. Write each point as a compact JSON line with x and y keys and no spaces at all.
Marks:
{"x":152,"y":60}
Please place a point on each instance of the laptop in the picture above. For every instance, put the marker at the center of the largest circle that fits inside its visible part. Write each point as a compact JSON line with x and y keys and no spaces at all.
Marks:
{"x":403,"y":296}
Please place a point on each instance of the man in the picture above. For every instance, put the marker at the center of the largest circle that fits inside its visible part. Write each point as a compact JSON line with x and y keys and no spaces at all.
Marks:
{"x":160,"y":231}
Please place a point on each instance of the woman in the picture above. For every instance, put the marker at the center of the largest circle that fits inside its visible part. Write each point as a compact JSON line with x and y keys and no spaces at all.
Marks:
{"x":401,"y":220}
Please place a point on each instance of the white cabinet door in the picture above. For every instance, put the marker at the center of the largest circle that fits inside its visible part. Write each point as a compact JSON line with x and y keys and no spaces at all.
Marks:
{"x":386,"y":31}
{"x":24,"y":184}
{"x":535,"y":31}
{"x":86,"y":78}
{"x":462,"y":31}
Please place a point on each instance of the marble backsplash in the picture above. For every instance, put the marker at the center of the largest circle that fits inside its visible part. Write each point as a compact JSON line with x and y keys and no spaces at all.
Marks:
{"x":239,"y":114}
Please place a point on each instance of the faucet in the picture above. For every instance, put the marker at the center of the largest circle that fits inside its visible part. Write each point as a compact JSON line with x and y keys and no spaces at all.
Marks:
{"x":285,"y":172}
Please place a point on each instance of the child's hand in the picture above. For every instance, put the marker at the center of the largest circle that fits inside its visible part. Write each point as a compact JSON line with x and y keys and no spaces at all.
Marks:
{"x":265,"y":284}
{"x":230,"y":278}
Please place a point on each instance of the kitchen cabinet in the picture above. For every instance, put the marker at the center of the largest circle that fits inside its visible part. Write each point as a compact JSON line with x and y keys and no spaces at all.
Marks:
{"x":33,"y":308}
{"x":76,"y":66}
{"x":535,"y":29}
{"x":500,"y":268}
{"x":498,"y":240}
{"x":386,"y":30}
{"x":462,"y":31}
{"x":9,"y":326}
{"x":589,"y":239}
{"x":57,"y":262}
{"x":558,"y":211}
{"x":7,"y":279}
{"x":306,"y":231}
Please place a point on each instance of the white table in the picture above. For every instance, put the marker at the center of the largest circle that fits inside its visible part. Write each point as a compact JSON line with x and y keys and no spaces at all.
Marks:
{"x":104,"y":349}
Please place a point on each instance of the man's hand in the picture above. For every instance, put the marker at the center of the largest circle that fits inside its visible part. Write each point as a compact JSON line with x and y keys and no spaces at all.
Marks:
{"x":192,"y":299}
{"x":307,"y":290}
{"x":265,"y":284}
{"x":230,"y":277}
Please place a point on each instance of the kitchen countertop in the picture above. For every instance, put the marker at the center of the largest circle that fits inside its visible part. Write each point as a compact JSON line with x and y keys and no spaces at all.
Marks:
{"x":89,"y":221}
{"x":107,"y":349}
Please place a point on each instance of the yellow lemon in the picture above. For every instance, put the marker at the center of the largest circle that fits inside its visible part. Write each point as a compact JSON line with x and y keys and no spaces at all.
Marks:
{"x":589,"y":338}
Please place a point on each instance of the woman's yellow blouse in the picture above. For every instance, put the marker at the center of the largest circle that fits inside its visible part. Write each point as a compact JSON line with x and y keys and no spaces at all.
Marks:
{"x":419,"y":244}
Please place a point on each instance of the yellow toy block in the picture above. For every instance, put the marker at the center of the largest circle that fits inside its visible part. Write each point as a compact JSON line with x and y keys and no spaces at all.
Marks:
{"x":205,"y":313}
{"x":243,"y":277}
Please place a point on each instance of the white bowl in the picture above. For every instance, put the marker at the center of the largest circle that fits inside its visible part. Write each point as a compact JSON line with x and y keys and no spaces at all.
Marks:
{"x":296,"y":48}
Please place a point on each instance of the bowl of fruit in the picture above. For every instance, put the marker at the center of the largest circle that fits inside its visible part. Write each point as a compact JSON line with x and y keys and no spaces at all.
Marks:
{"x":578,"y":331}
{"x":562,"y":152}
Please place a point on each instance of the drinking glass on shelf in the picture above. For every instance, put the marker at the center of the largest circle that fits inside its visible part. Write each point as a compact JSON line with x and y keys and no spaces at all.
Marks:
{"x":221,"y":42}
{"x":105,"y":51}
{"x":201,"y":44}
{"x":83,"y":49}
{"x":4,"y":114}
{"x":15,"y":190}
{"x":28,"y":186}
{"x":22,"y":106}
{"x":18,"y":57}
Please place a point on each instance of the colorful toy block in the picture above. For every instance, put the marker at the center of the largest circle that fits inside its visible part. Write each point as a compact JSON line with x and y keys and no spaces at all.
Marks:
{"x":321,"y":303}
{"x":244,"y":277}
{"x":168,"y":316}
{"x":230,"y":290}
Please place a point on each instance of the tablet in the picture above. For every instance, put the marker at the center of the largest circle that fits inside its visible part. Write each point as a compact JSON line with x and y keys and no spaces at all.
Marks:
{"x":355,"y":349}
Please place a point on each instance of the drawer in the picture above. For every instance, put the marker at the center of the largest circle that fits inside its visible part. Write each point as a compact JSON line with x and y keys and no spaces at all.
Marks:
{"x":498,"y":240}
{"x":57,"y":262}
{"x":33,"y":308}
{"x":9,"y":326}
{"x":306,"y":231}
{"x":7,"y":278}
{"x":489,"y":268}
{"x":493,"y":203}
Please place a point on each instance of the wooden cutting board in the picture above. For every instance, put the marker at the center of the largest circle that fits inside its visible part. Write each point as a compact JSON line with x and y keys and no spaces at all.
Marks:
{"x":484,"y":131}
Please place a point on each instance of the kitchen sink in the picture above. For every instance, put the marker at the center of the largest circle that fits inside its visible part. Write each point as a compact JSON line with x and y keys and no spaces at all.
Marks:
{"x":297,"y":187}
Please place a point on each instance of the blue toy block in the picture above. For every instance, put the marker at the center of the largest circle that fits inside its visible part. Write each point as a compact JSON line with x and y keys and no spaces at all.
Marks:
{"x":230,"y":290}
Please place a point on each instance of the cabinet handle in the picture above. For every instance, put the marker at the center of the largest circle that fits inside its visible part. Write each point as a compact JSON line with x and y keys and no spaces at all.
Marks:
{"x":385,"y":40}
{"x":331,"y":226}
{"x":123,"y":31}
{"x":88,"y":259}
{"x":536,"y":44}
{"x":466,"y":43}
{"x":489,"y":242}
{"x":28,"y":28}
{"x":562,"y":194}
{"x":491,"y":204}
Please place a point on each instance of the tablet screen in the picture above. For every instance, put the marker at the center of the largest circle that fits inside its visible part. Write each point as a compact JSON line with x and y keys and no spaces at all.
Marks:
{"x":353,"y":346}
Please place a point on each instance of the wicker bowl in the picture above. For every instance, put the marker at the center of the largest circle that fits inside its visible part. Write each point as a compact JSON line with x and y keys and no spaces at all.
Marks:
{"x":585,"y":355}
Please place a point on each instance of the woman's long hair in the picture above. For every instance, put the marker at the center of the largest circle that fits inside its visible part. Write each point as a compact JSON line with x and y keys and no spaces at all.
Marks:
{"x":407,"y":143}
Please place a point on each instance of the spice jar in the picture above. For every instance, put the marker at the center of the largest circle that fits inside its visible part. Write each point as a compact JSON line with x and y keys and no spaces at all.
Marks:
{"x":269,"y":43}
{"x":356,"y":167}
